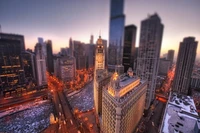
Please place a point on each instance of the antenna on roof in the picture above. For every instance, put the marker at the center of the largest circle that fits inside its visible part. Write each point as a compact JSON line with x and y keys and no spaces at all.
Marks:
{"x":100,"y":33}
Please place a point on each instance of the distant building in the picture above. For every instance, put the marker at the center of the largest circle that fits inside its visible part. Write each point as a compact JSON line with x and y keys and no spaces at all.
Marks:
{"x":135,"y":60}
{"x":28,"y":59}
{"x":101,"y":76}
{"x":92,"y":39}
{"x":56,"y":65}
{"x":149,"y":53}
{"x":164,"y":66}
{"x":40,"y":65}
{"x":90,"y":55}
{"x":180,"y":115}
{"x":105,"y":44}
{"x":49,"y":56}
{"x":80,"y":55}
{"x":184,"y":65}
{"x":170,"y":56}
{"x":20,"y":38}
{"x":123,"y":103}
{"x":65,"y":52}
{"x":195,"y":81}
{"x":129,"y":46}
{"x":71,"y":47}
{"x":11,"y":65}
{"x":116,"y":36}
{"x":67,"y":68}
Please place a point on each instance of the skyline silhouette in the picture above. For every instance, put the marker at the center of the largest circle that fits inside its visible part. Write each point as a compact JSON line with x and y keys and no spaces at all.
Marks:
{"x":60,"y":20}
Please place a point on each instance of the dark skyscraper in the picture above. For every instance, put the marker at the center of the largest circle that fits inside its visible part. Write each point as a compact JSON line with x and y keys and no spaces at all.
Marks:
{"x":184,"y":65}
{"x":116,"y":36}
{"x":149,"y":53}
{"x":129,"y":46}
{"x":49,"y":56}
{"x":11,"y":67}
{"x":28,"y":59}
{"x":170,"y":56}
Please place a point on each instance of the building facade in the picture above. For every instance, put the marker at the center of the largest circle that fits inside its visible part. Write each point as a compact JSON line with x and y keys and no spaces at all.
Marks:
{"x":149,"y":53}
{"x":170,"y":56}
{"x":28,"y":59}
{"x":67,"y":68}
{"x":40,"y":65}
{"x":49,"y":56}
{"x":129,"y":46}
{"x":101,"y":76}
{"x":116,"y":36}
{"x":164,"y":66}
{"x":11,"y":65}
{"x":123,"y":103}
{"x":184,"y":65}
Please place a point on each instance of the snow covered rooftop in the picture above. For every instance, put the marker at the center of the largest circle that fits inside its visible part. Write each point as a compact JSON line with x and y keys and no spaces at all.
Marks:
{"x":180,"y":115}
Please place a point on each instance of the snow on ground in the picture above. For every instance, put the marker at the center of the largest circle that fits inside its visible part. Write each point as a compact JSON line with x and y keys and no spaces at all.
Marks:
{"x":84,"y":99}
{"x":31,"y":120}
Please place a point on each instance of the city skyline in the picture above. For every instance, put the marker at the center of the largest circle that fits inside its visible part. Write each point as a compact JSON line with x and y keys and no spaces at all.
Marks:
{"x":59,"y":23}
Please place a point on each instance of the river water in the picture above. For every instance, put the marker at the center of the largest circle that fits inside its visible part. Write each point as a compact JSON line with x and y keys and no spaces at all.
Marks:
{"x":32,"y":120}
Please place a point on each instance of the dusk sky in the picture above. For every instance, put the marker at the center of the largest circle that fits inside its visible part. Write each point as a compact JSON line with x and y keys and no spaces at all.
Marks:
{"x":58,"y":20}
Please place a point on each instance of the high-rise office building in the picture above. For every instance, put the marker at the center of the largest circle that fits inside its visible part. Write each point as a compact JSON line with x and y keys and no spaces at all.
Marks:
{"x":135,"y":59}
{"x":71,"y":47}
{"x":129,"y":46}
{"x":40,"y":65}
{"x":184,"y":65}
{"x":28,"y":59}
{"x":123,"y":103}
{"x":116,"y":36}
{"x":49,"y":56}
{"x":105,"y":43}
{"x":170,"y":56}
{"x":11,"y":65}
{"x":80,"y":54}
{"x":92,"y":39}
{"x":90,"y":55}
{"x":67,"y":68}
{"x":164,"y":66}
{"x":149,"y":53}
{"x":101,"y":76}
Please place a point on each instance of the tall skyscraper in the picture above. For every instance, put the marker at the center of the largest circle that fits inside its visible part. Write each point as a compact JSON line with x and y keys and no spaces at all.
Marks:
{"x":40,"y":65}
{"x":123,"y":103}
{"x":164,"y":66}
{"x":49,"y":56}
{"x":105,"y":43}
{"x":149,"y":53}
{"x":11,"y":66}
{"x":92,"y":39}
{"x":170,"y":56}
{"x":184,"y":65}
{"x":116,"y":36}
{"x":129,"y":47}
{"x":71,"y":47}
{"x":80,"y":55}
{"x":101,"y":76}
{"x":28,"y":59}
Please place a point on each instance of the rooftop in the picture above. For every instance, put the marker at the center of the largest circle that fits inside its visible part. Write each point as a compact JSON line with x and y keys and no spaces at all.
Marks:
{"x":180,"y":115}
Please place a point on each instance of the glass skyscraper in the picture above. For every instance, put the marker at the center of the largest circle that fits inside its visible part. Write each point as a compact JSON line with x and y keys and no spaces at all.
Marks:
{"x":116,"y":35}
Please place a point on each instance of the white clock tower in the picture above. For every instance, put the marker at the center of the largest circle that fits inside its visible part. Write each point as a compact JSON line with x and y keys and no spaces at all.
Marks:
{"x":100,"y":55}
{"x":101,"y":76}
